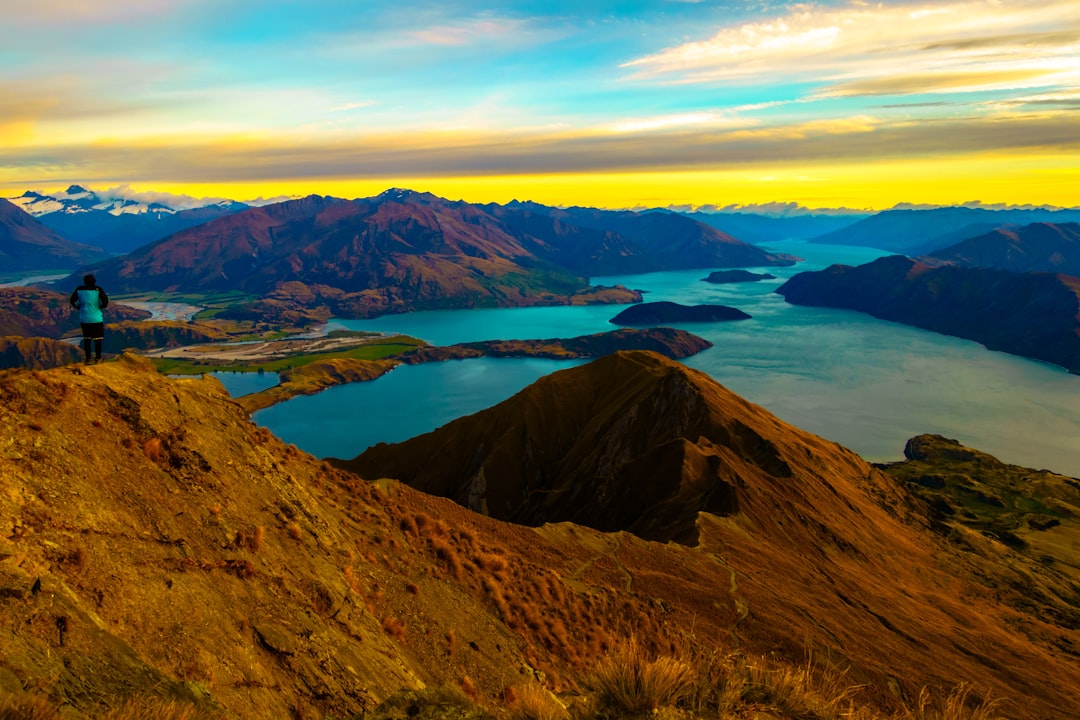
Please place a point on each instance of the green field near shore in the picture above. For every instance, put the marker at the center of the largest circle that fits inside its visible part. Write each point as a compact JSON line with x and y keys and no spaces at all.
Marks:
{"x":375,"y":350}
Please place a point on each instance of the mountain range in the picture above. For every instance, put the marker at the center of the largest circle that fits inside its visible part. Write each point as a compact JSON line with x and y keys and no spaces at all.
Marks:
{"x":404,"y":250}
{"x":116,"y":224}
{"x":920,"y":232}
{"x":27,"y":244}
{"x":1039,"y":247}
{"x":758,"y":228}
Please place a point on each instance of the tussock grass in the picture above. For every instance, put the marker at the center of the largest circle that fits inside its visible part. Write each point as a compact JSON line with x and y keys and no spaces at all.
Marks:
{"x":957,"y":705}
{"x":31,"y":707}
{"x":718,"y":685}
{"x":533,"y":702}
{"x":630,"y":679}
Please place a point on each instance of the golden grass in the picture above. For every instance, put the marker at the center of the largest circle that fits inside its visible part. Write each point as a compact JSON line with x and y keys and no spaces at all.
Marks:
{"x":31,"y":707}
{"x":630,"y":679}
{"x":957,"y":705}
{"x":533,"y":702}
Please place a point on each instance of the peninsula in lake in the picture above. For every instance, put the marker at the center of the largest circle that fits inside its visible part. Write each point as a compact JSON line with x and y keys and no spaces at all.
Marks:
{"x":1036,"y":315}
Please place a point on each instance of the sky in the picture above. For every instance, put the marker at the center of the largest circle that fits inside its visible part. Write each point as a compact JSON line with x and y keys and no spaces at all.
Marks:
{"x":611,"y":103}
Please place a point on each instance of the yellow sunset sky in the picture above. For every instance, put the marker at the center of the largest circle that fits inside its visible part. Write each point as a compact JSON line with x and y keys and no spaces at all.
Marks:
{"x":615,"y":104}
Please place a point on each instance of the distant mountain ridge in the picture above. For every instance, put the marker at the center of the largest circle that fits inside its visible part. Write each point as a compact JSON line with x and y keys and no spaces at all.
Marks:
{"x":116,"y":224}
{"x":27,"y":244}
{"x":919,"y":232}
{"x":404,"y":250}
{"x":757,"y":228}
{"x":1039,"y":247}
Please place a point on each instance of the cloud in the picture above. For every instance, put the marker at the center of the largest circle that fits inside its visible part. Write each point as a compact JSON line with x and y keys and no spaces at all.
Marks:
{"x":471,"y":31}
{"x":432,"y":154}
{"x":873,"y":47}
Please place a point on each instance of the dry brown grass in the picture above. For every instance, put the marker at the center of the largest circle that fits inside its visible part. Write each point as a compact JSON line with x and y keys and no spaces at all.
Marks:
{"x":533,"y":702}
{"x":30,"y":707}
{"x":957,"y":705}
{"x":630,"y":679}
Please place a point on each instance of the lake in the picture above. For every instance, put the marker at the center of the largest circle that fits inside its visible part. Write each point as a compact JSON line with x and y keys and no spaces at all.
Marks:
{"x":865,"y":383}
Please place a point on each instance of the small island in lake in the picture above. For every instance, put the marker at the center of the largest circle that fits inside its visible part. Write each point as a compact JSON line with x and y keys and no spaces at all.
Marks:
{"x":651,"y":313}
{"x":720,"y":277}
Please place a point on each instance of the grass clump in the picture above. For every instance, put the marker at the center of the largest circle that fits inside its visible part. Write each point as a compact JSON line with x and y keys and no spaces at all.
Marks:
{"x":630,"y":679}
{"x":533,"y":702}
{"x":957,"y":705}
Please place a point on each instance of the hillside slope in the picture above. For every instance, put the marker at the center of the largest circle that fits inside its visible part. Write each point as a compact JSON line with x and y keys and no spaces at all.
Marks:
{"x":27,"y":244}
{"x":1039,"y":247}
{"x":404,"y":251}
{"x":158,"y":543}
{"x":817,"y":541}
{"x":1036,"y":315}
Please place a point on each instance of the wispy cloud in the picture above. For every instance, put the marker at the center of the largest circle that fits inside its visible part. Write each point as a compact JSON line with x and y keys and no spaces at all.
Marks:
{"x":464,"y":153}
{"x":472,"y":31}
{"x":881,"y":48}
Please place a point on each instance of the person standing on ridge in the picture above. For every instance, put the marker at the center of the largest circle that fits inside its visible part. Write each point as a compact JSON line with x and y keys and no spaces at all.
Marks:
{"x":91,"y":300}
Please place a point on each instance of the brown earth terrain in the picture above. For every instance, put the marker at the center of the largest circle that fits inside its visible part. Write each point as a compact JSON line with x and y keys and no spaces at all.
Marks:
{"x":33,"y":312}
{"x":36,"y":353}
{"x":823,"y":546}
{"x":157,"y":544}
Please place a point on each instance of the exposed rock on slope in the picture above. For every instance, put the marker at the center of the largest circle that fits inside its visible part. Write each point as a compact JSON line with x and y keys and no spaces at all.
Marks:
{"x":1036,"y":315}
{"x":1040,"y":247}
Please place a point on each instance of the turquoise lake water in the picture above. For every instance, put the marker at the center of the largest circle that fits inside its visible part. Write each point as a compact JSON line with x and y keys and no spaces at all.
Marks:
{"x":865,"y":383}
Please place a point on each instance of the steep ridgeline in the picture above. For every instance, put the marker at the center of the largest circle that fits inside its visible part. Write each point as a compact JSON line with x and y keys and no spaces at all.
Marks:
{"x":158,"y":544}
{"x":635,"y":442}
{"x":1039,"y":247}
{"x":27,"y":244}
{"x":1036,"y":315}
{"x":405,"y":251}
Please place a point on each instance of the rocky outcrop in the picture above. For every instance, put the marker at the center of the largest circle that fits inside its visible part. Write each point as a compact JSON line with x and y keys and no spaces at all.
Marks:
{"x":1036,"y":315}
{"x":658,"y":313}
